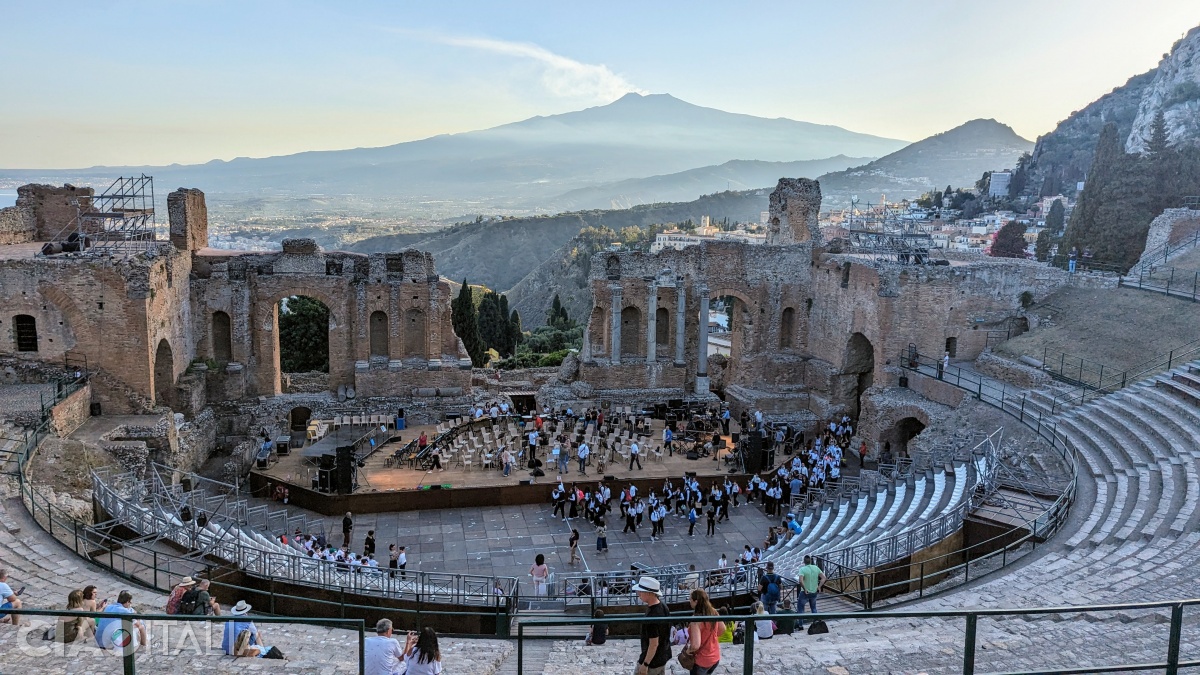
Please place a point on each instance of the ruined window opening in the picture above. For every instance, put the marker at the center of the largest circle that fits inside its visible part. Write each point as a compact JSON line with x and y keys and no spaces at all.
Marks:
{"x":414,"y":333}
{"x":952,"y":346}
{"x":808,"y":306}
{"x":786,"y":324}
{"x":164,"y":375}
{"x":379,"y":334}
{"x":662,"y":328}
{"x":846,"y":275}
{"x":222,"y":338}
{"x":25,"y":332}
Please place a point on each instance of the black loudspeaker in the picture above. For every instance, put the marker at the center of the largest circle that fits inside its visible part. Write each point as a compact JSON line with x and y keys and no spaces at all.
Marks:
{"x":753,"y":460}
{"x":325,"y":480}
{"x":327,"y":462}
{"x":754,"y":442}
{"x":768,"y":460}
{"x":734,"y":436}
{"x":345,"y":470}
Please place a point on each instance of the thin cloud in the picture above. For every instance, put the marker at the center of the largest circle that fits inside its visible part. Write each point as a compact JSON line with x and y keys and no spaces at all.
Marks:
{"x":562,"y":76}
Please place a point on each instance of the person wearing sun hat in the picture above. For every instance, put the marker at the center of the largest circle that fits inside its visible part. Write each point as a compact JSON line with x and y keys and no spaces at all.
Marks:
{"x":656,"y":637}
{"x":234,"y":628}
{"x":185,"y":585}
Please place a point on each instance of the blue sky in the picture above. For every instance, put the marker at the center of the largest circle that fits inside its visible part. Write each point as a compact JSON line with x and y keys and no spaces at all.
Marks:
{"x":100,"y":82}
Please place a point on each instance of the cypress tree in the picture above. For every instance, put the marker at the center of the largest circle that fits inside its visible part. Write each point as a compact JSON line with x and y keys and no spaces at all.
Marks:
{"x":514,"y":325}
{"x":466,"y":325}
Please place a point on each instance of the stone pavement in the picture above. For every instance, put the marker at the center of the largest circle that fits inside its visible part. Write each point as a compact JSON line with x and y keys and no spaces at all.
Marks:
{"x":504,"y":540}
{"x":48,"y":571}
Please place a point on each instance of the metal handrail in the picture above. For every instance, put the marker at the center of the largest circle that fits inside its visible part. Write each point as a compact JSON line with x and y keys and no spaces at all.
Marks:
{"x":229,"y":543}
{"x":1115,"y":381}
{"x":1171,"y":286}
{"x":1171,"y":665}
{"x":1149,"y":259}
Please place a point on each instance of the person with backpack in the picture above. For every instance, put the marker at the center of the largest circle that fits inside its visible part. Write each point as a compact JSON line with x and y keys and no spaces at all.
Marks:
{"x":692,"y":518}
{"x":769,"y":587}
{"x":199,"y":602}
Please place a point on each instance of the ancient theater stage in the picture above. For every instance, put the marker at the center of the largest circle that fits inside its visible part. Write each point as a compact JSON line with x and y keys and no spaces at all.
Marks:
{"x":377,"y":476}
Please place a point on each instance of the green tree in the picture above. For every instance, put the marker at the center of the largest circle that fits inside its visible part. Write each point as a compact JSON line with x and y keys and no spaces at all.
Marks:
{"x":983,"y":185}
{"x":466,"y":325}
{"x":303,"y":335}
{"x":1042,"y":248}
{"x":1156,"y":146}
{"x":1054,"y":219}
{"x":1010,"y":241}
{"x":1020,"y":176}
{"x":493,"y":324}
{"x":514,"y":325}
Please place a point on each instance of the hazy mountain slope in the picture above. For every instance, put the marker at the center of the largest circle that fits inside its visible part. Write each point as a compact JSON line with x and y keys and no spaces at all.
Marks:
{"x":529,"y":160}
{"x":685,"y":185}
{"x":957,"y":157}
{"x":499,"y":254}
{"x":1175,"y":91}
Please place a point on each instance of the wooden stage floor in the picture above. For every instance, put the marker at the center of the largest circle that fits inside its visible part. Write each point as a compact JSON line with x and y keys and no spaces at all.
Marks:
{"x":376,"y":476}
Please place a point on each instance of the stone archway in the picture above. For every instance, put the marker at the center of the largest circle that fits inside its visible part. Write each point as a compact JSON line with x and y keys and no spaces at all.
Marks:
{"x":164,"y":375}
{"x":222,"y":337}
{"x":298,"y":418}
{"x":904,"y":431}
{"x":737,"y":338}
{"x":859,"y":363}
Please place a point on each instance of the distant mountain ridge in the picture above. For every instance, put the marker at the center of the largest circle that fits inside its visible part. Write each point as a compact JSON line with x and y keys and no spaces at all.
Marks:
{"x":738,"y":174}
{"x":957,"y":157}
{"x":531,"y":160}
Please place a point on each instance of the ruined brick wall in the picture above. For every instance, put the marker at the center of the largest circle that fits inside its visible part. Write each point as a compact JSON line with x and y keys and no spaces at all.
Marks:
{"x":794,"y":211}
{"x":51,"y":207}
{"x":403,"y":288}
{"x":188,"y":216}
{"x":115,"y":313}
{"x":765,"y":281}
{"x":17,"y":223}
{"x":70,"y":413}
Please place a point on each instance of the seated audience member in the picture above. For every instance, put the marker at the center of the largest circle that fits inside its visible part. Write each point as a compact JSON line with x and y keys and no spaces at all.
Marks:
{"x":204,"y":603}
{"x":233,"y":635}
{"x":382,"y":653}
{"x":424,"y":657}
{"x":110,"y":632}
{"x":8,"y":600}
{"x":74,"y":628}
{"x":185,"y":585}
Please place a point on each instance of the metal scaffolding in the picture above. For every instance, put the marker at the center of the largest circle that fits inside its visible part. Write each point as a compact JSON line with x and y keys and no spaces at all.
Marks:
{"x":117,"y":222}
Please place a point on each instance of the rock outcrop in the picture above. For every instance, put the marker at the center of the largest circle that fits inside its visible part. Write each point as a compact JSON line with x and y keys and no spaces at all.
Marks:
{"x":1175,"y":91}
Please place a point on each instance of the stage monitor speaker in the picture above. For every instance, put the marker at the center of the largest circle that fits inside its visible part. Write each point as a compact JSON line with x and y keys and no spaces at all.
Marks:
{"x":610,"y":479}
{"x":327,"y":462}
{"x":752,"y":460}
{"x":754,"y":442}
{"x":525,"y":481}
{"x":345,"y":470}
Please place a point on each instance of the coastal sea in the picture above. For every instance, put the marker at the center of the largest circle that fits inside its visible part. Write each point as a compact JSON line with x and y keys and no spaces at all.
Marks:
{"x":7,"y":198}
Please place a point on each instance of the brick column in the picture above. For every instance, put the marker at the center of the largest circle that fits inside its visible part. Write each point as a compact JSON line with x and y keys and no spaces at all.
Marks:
{"x":702,"y":348}
{"x":652,"y":324}
{"x":680,"y":320}
{"x":615,"y":348}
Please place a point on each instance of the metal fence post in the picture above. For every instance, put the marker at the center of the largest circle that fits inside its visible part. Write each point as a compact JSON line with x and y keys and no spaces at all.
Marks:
{"x":362,"y":647}
{"x":969,"y":646}
{"x":130,"y":666}
{"x":520,"y":648}
{"x":748,"y":647}
{"x":1173,"y":642}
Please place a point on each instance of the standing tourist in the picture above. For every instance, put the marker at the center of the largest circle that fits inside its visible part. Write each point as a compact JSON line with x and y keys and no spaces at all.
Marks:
{"x":347,"y":528}
{"x":583,"y":453}
{"x":704,"y":636}
{"x":601,"y":536}
{"x":812,"y":579}
{"x":573,"y":543}
{"x":655,"y":637}
{"x":634,"y":456}
{"x":540,"y":573}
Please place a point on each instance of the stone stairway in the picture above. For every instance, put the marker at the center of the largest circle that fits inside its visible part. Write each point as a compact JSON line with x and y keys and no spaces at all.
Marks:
{"x":11,"y":441}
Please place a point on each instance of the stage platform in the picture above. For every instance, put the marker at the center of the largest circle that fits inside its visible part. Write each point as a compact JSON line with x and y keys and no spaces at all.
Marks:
{"x":474,"y":486}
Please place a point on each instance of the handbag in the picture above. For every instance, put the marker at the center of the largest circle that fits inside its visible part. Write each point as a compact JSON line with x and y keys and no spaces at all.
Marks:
{"x":687,"y":658}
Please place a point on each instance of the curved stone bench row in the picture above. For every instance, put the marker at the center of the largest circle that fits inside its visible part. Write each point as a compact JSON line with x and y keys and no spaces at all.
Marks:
{"x":872,"y":517}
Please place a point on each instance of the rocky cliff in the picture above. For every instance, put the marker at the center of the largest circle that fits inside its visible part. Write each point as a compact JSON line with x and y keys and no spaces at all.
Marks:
{"x":1062,"y":157}
{"x":1175,"y":91}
